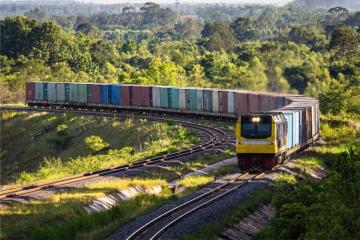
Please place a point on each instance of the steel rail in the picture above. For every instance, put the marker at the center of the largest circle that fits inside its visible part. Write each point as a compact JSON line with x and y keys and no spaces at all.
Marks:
{"x":209,"y":131}
{"x":180,"y":207}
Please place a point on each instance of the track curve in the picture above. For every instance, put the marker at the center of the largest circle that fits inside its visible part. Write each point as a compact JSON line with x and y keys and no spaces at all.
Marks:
{"x":216,"y":137}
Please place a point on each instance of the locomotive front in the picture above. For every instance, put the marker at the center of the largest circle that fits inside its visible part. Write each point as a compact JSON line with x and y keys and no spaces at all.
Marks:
{"x":260,"y":140}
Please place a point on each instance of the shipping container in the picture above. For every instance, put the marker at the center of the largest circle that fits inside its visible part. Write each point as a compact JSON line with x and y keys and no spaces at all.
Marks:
{"x":265,"y":102}
{"x":231,"y":102}
{"x":156,"y":97}
{"x":74,"y":91}
{"x":104,"y":94}
{"x":60,"y":92}
{"x":280,"y":101}
{"x":146,"y":92}
{"x":94,"y":94}
{"x":51,"y":89}
{"x":215,"y":101}
{"x":45,"y":91}
{"x":199,"y":99}
{"x":67,"y":92}
{"x":182,"y":98}
{"x":164,"y":97}
{"x":241,"y":102}
{"x":223,"y":101}
{"x":30,"y":91}
{"x":39,"y":91}
{"x":191,"y":99}
{"x":82,"y":93}
{"x":273,"y":102}
{"x":173,"y":94}
{"x":124,"y":95}
{"x":114,"y":94}
{"x":208,"y":100}
{"x":290,"y":133}
{"x":254,"y":102}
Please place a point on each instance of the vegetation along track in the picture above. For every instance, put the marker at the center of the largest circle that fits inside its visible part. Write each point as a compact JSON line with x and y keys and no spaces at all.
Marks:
{"x":214,"y":138}
{"x":156,"y":227}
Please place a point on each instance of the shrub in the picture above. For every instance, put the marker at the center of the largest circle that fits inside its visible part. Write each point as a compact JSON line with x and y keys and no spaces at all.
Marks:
{"x":96,"y":143}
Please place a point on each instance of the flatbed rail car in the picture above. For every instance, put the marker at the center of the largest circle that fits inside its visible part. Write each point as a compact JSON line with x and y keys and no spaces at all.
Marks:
{"x":299,"y":114}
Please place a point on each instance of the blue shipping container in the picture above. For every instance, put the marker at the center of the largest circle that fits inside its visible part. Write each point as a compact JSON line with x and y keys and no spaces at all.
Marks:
{"x":114,"y":94}
{"x":104,"y":94}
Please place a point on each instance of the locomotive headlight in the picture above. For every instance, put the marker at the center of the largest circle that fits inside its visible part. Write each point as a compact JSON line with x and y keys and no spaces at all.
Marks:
{"x":255,"y":119}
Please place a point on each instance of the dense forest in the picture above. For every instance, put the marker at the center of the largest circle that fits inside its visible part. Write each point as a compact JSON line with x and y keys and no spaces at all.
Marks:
{"x":265,"y":48}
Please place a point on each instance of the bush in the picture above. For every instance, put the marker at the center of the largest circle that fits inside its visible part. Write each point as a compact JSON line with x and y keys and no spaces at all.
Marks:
{"x":321,"y":210}
{"x":96,"y":143}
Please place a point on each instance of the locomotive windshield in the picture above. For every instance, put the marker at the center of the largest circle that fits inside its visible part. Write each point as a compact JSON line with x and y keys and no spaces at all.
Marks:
{"x":256,"y":127}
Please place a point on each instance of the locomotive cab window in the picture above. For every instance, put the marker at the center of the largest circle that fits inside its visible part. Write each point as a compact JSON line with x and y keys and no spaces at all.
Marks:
{"x":256,"y":126}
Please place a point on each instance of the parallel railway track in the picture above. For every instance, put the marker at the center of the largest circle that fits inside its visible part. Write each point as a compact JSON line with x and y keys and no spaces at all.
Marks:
{"x":158,"y":226}
{"x":215,"y":136}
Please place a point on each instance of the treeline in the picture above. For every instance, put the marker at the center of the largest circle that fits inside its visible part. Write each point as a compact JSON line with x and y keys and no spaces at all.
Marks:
{"x":318,"y":55}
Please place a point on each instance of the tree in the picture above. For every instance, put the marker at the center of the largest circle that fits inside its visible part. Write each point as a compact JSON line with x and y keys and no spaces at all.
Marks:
{"x":96,"y":143}
{"x":243,"y":29}
{"x":15,"y":36}
{"x":334,"y":99}
{"x":345,"y":41}
{"x":88,"y":29}
{"x":312,"y":36}
{"x":219,"y":36}
{"x":188,"y":29}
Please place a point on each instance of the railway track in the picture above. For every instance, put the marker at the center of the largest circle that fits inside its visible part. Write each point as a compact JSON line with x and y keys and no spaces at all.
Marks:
{"x":215,"y":137}
{"x":158,"y":226}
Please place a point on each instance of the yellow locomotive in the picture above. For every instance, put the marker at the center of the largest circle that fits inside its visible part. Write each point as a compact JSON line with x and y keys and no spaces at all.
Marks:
{"x":261,"y":140}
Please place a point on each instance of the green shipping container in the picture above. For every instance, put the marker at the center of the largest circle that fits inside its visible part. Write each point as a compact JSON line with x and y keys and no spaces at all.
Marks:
{"x":82,"y":97}
{"x":191,"y":98}
{"x":39,"y":91}
{"x":164,"y":97}
{"x":51,"y":92}
{"x":60,"y":92}
{"x":173,"y":98}
{"x":74,"y":92}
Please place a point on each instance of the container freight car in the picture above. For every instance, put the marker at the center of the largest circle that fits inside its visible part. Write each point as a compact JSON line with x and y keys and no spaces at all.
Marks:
{"x":294,"y":119}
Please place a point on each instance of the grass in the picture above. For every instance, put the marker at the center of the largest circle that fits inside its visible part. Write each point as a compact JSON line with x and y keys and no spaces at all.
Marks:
{"x":62,"y":216}
{"x":326,"y":208}
{"x":40,"y":146}
{"x":66,"y":219}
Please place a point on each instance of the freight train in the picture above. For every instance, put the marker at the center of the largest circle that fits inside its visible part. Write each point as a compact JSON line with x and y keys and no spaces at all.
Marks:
{"x":269,"y":126}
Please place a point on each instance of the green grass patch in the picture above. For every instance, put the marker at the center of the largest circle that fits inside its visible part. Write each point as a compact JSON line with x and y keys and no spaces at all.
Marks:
{"x":64,"y":218}
{"x":38,"y":146}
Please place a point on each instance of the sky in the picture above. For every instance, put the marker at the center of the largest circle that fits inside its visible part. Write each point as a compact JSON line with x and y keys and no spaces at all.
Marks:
{"x":276,"y":2}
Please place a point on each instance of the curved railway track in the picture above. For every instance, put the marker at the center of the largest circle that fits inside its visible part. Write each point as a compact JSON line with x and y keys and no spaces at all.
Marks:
{"x":215,"y":137}
{"x":158,"y":226}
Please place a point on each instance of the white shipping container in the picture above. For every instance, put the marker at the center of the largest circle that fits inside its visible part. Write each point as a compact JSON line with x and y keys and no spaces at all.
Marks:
{"x":200,"y":99}
{"x":51,"y":92}
{"x":182,"y":98}
{"x":156,"y":96}
{"x":231,"y":106}
{"x":215,"y":101}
